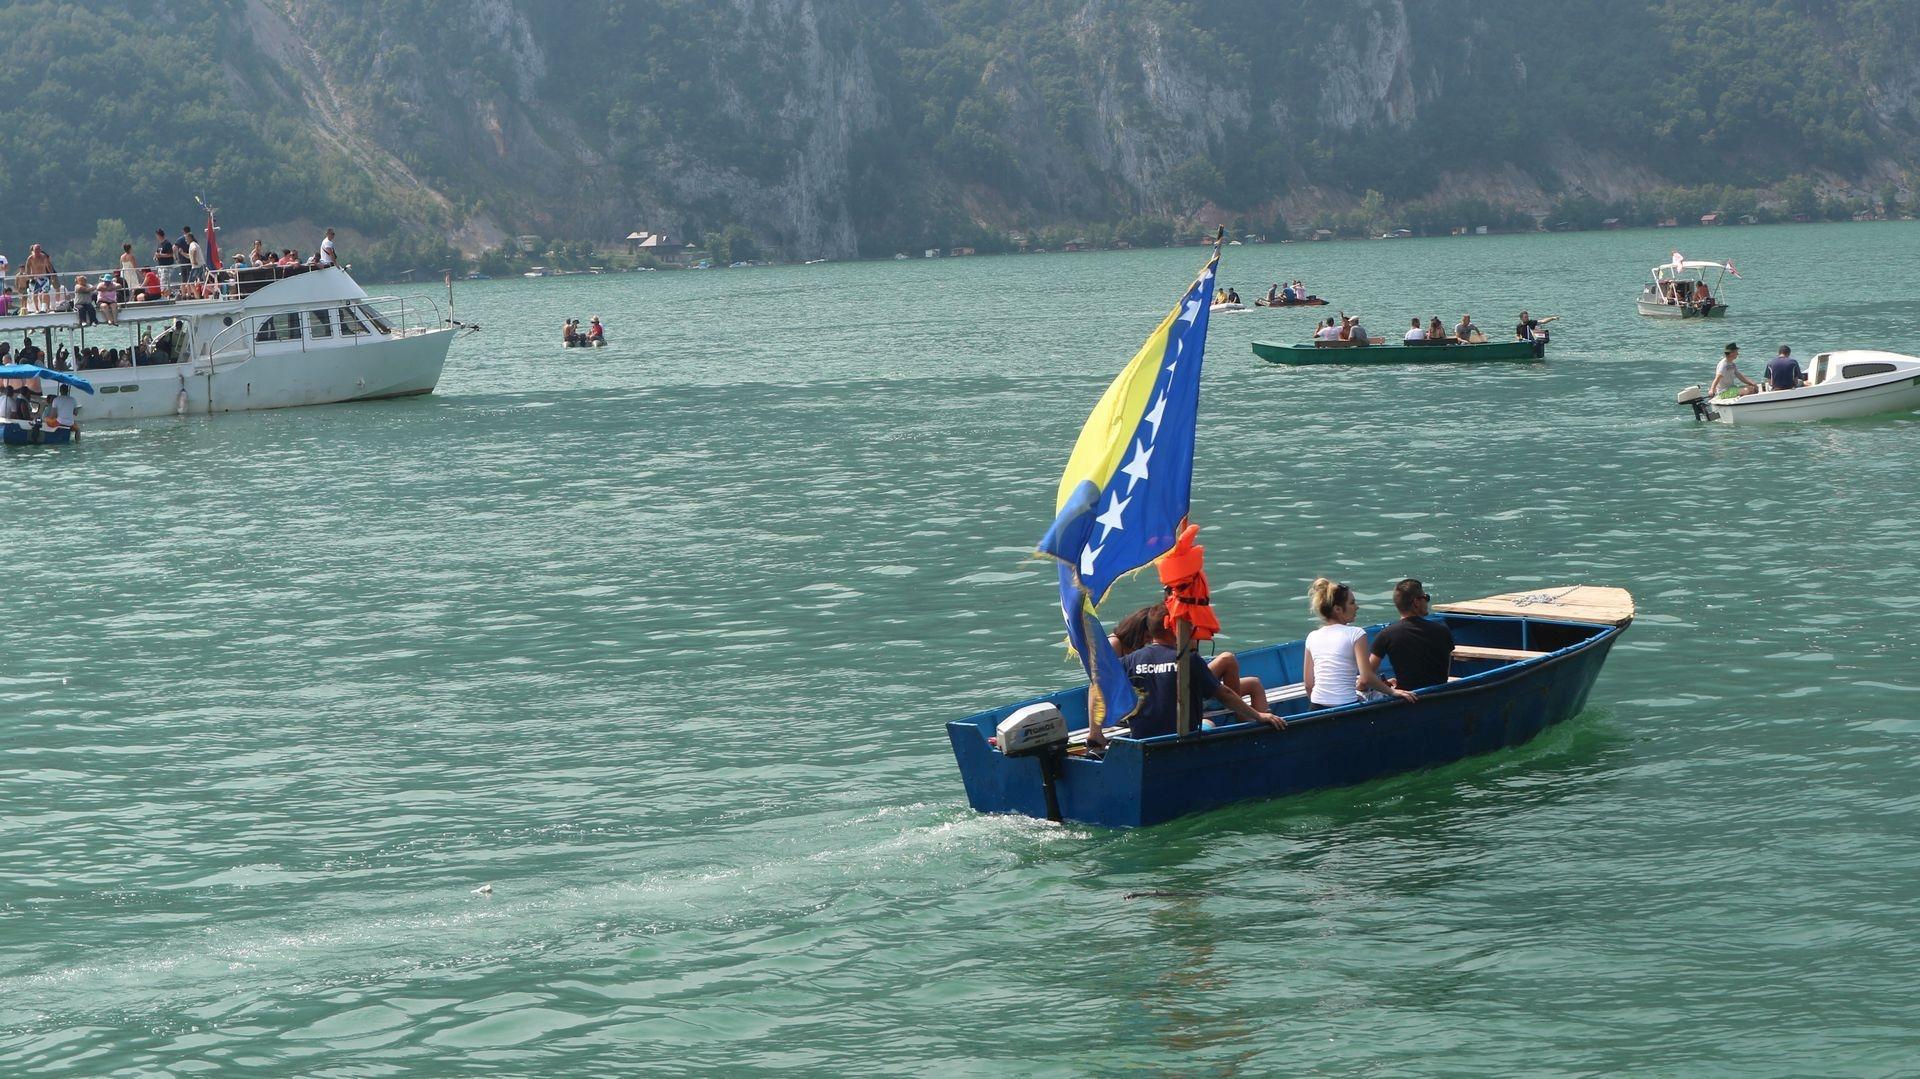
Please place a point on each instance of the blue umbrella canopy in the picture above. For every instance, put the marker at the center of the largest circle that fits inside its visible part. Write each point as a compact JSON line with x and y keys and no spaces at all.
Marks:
{"x":27,"y":370}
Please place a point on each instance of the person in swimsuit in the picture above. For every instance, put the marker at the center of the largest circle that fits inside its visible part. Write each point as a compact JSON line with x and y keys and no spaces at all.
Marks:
{"x":39,"y":267}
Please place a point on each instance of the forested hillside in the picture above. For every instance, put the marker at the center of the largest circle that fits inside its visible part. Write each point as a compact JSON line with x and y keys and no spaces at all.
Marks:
{"x":842,"y":127}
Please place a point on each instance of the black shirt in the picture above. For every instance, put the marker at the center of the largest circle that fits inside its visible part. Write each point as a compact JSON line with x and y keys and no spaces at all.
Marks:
{"x":1155,"y":673}
{"x":1420,"y":649}
{"x":163,"y":253}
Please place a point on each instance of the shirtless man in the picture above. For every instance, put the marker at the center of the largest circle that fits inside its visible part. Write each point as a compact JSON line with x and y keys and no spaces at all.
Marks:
{"x":39,"y":269}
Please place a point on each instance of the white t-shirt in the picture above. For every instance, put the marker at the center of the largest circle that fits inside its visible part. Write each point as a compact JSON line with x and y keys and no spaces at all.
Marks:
{"x":1725,"y":375}
{"x":326,"y":252}
{"x":63,"y":409}
{"x":1416,"y":335}
{"x":195,"y":257}
{"x":1328,"y":333}
{"x":1334,"y":672}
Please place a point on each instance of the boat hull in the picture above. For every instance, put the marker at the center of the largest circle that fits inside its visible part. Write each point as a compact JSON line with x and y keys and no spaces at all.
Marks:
{"x":1398,"y":353}
{"x":286,"y":377}
{"x":1667,"y":310}
{"x":1158,"y":779}
{"x":1796,"y":406}
{"x":22,"y":433}
{"x":1313,"y":301}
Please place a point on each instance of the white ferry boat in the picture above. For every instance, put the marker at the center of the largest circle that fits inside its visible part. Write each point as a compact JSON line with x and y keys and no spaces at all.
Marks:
{"x":270,"y":337}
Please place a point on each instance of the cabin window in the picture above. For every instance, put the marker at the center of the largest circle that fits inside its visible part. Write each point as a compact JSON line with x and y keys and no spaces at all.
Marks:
{"x":1862,"y":370}
{"x":350,"y":324}
{"x":281,"y":327}
{"x":319,"y":325}
{"x":374,"y":317}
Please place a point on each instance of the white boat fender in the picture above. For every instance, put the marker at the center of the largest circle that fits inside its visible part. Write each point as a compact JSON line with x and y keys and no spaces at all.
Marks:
{"x":180,"y":399}
{"x":1037,"y":730}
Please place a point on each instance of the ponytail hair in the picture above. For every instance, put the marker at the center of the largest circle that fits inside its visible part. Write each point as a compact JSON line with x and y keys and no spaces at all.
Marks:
{"x":1325,"y":597}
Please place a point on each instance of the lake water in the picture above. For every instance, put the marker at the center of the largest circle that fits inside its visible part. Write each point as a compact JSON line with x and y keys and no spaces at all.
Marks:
{"x":659,"y":641}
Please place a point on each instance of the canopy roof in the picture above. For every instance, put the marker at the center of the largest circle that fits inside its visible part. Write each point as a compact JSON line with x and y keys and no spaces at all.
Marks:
{"x":27,"y":370}
{"x":1666,"y":269}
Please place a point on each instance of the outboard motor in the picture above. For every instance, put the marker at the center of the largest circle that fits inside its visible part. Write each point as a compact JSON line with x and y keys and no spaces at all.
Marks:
{"x":1702,"y":408}
{"x":1038,"y":730}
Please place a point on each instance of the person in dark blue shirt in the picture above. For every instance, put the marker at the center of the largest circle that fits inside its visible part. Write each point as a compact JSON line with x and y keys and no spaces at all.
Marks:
{"x":1155,"y":672}
{"x":1783,"y":371}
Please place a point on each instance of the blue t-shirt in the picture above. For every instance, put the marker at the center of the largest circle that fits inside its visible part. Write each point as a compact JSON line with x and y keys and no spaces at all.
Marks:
{"x":1783,"y":373}
{"x":1155,"y":673}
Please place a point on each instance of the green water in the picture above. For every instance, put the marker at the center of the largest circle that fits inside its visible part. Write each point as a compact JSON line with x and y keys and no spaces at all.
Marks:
{"x":659,"y":641}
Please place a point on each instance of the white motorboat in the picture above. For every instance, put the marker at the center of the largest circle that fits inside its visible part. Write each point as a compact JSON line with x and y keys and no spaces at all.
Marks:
{"x":264,"y":337}
{"x":1840,"y":386}
{"x":1679,"y":289}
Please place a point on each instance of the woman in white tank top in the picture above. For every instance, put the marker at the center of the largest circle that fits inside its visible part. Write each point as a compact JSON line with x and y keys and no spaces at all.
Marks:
{"x":1336,"y":658}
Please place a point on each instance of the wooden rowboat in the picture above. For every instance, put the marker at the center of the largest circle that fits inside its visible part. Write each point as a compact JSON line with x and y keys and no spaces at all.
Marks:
{"x":1387,"y":352}
{"x":1523,"y":662}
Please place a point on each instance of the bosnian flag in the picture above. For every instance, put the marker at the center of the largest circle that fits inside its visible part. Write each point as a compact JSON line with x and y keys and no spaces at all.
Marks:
{"x":1124,"y":492}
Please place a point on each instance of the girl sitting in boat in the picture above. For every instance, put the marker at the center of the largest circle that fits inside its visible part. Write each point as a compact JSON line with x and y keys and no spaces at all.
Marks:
{"x":1335,"y":668}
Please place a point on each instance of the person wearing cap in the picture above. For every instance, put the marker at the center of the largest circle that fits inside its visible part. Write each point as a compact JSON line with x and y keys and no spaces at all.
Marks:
{"x":1358,"y":333}
{"x":1783,"y":371}
{"x":1726,"y":375}
{"x":596,"y":334}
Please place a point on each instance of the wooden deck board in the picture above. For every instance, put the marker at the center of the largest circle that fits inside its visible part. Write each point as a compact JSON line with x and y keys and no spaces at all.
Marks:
{"x":1563,"y":603}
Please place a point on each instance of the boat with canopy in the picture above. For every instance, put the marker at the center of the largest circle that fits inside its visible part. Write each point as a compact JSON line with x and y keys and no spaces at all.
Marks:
{"x":29,"y":419}
{"x":1679,"y":289}
{"x":1522,"y":662}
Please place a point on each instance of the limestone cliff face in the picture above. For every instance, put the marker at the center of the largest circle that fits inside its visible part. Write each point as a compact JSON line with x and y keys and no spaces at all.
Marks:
{"x":833,"y":127}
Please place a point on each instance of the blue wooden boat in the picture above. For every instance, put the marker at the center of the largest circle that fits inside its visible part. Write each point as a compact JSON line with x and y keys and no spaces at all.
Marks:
{"x":1523,"y":662}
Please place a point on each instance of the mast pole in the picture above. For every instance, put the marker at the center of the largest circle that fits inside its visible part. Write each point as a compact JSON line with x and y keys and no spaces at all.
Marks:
{"x":1183,"y":630}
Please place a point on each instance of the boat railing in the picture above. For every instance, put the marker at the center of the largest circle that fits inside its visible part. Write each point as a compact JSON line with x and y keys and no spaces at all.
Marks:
{"x":325,"y":325}
{"x":184,"y":286}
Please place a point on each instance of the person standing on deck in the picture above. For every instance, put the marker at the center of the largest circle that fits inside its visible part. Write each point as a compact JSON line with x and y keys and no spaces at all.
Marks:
{"x":1155,"y":673}
{"x":163,"y":258}
{"x":1420,"y":648}
{"x":183,"y":258}
{"x":327,"y":256}
{"x":129,"y":266}
{"x":39,"y":267}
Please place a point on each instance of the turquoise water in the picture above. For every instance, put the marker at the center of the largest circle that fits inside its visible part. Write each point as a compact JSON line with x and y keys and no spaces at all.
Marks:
{"x":659,"y":641}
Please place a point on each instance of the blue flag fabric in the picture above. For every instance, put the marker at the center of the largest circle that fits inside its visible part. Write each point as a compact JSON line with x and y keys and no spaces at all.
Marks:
{"x":1127,"y":486}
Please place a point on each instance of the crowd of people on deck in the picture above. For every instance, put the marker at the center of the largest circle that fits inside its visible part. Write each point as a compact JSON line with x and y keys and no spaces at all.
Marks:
{"x":178,"y":270}
{"x":1783,"y":372}
{"x":1340,"y":666}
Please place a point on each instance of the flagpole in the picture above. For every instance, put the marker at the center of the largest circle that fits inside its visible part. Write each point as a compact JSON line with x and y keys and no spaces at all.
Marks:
{"x":1183,"y":629}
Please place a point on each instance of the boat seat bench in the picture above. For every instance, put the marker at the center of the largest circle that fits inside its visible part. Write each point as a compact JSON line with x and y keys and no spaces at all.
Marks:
{"x":1508,"y":655}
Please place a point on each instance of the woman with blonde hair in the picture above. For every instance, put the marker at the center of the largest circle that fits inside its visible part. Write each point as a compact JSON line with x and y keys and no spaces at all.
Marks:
{"x":1335,"y":667}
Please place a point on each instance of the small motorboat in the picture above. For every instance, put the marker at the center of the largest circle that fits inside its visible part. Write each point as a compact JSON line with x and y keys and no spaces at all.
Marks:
{"x":1679,"y":289}
{"x":1840,"y":386}
{"x":36,"y":429}
{"x":1379,"y":351}
{"x":1311,"y":301}
{"x":1228,"y":307}
{"x":1522,"y":662}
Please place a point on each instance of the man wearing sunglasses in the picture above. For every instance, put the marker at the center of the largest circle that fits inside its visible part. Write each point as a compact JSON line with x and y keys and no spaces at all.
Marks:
{"x":1420,"y":648}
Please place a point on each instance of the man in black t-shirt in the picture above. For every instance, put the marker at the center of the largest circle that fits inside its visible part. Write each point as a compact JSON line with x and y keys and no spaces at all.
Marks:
{"x":1420,"y":648}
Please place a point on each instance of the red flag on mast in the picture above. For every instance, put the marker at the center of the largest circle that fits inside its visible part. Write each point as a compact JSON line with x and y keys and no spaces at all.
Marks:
{"x":213,"y":243}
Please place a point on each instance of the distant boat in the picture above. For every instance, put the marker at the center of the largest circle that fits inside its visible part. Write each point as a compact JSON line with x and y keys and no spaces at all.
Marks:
{"x":1679,"y":289}
{"x":1395,"y":352}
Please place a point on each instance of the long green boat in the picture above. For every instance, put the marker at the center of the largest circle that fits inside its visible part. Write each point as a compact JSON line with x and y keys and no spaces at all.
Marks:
{"x":1398,"y":352}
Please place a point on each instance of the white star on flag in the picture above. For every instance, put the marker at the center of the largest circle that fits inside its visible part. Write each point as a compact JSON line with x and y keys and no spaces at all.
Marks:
{"x":1192,"y":311}
{"x":1137,"y":467}
{"x":1110,"y":520}
{"x":1088,"y":555}
{"x":1159,"y":410}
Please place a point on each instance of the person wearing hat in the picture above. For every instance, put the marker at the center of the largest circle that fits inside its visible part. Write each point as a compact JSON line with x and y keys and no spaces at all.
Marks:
{"x":1357,"y":333}
{"x":1725,"y":375}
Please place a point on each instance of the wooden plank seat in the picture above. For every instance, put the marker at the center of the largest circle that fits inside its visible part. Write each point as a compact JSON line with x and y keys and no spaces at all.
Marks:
{"x":1504,"y":655}
{"x":1349,"y":344}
